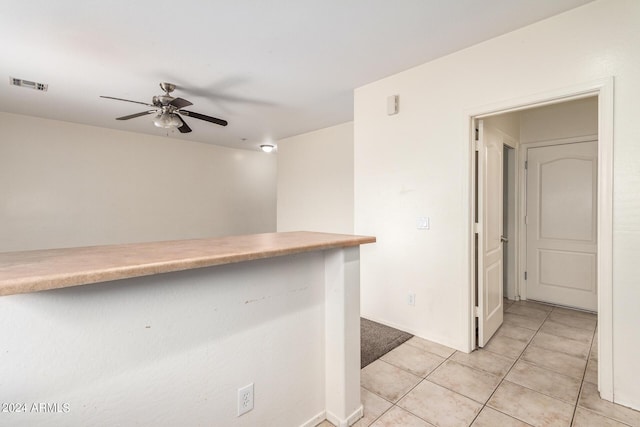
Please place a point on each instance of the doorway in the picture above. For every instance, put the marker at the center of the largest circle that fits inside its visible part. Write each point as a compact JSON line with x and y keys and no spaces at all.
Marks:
{"x":558,"y":245}
{"x":603,"y":97}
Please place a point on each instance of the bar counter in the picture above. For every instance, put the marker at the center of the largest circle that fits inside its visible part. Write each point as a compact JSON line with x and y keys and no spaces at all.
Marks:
{"x":32,"y":271}
{"x":167,"y":333}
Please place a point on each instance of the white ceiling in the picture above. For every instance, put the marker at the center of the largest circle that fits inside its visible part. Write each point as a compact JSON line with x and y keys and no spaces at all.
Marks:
{"x":272,"y":68}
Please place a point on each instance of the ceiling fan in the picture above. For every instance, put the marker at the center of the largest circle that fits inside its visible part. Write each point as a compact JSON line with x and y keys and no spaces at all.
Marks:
{"x":169,"y":110}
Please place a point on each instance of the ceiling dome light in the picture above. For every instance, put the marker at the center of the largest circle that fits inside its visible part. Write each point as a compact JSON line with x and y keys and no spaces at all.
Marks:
{"x":267,"y":148}
{"x":167,"y":121}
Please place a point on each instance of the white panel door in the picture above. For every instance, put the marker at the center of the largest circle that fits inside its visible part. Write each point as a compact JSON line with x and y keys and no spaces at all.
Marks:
{"x":490,"y":199}
{"x":561,"y":224}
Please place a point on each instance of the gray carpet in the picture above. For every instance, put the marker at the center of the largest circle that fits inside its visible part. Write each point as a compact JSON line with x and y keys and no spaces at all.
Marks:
{"x":376,"y":340}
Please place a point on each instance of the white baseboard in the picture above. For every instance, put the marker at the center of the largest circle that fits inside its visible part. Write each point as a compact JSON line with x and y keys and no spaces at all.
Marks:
{"x":313,"y":422}
{"x":351,"y":419}
{"x":413,"y":332}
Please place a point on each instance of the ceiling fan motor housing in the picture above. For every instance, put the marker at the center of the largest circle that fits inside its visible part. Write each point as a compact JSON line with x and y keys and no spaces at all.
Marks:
{"x":167,"y":87}
{"x":162,"y":100}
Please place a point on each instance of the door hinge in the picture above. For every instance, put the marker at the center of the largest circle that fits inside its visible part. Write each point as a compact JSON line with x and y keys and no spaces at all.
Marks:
{"x":525,"y":275}
{"x":476,"y":227}
{"x":526,"y":219}
{"x":477,"y":145}
{"x":477,"y":134}
{"x":475,"y":311}
{"x":526,"y":164}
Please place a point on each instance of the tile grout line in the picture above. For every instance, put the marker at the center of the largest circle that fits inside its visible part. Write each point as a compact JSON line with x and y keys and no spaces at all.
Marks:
{"x":501,"y":382}
{"x":422,"y":379}
{"x":408,"y":391}
{"x":519,"y":358}
{"x":420,"y":382}
{"x":503,"y":378}
{"x":584,"y":374}
{"x":511,"y":368}
{"x":384,"y":412}
{"x":582,"y":381}
{"x":425,"y":379}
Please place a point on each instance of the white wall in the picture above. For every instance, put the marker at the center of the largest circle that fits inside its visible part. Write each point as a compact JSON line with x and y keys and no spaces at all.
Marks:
{"x":507,"y":123}
{"x":65,"y":185}
{"x":415,"y":164}
{"x":315,"y":181}
{"x":558,"y":121}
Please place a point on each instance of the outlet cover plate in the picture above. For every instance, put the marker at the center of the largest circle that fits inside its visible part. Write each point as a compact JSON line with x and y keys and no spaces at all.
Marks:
{"x":245,"y":399}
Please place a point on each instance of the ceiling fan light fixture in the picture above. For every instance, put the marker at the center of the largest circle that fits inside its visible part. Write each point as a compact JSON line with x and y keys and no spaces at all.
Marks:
{"x":167,"y":121}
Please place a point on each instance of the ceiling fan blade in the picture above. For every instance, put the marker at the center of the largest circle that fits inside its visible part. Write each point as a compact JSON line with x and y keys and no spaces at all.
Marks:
{"x":127,"y":100}
{"x":185,"y":127}
{"x":180,"y":102}
{"x":205,"y":118}
{"x":133,"y":116}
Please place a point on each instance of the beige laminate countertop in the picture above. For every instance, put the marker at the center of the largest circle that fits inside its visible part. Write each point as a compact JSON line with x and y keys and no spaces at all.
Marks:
{"x":32,"y":271}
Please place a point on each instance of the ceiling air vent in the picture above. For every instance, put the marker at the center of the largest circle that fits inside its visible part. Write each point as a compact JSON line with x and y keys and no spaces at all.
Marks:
{"x":28,"y":84}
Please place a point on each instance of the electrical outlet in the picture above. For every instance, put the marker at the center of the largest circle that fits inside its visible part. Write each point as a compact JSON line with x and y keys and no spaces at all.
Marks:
{"x":411,"y":299}
{"x":245,"y":399}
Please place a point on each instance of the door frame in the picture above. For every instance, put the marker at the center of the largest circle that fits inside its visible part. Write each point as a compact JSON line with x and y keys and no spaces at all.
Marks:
{"x":604,"y":90}
{"x":514,"y":208}
{"x":521,"y":284}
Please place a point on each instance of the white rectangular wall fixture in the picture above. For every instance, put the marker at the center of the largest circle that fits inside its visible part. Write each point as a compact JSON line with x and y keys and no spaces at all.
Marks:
{"x":245,"y":399}
{"x":422,"y":223}
{"x":393,"y":102}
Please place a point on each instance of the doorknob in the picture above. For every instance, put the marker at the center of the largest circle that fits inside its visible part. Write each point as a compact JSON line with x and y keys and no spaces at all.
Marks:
{"x":504,"y":239}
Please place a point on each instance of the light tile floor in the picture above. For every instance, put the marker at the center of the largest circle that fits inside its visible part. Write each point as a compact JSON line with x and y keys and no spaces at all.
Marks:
{"x":540,"y":369}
